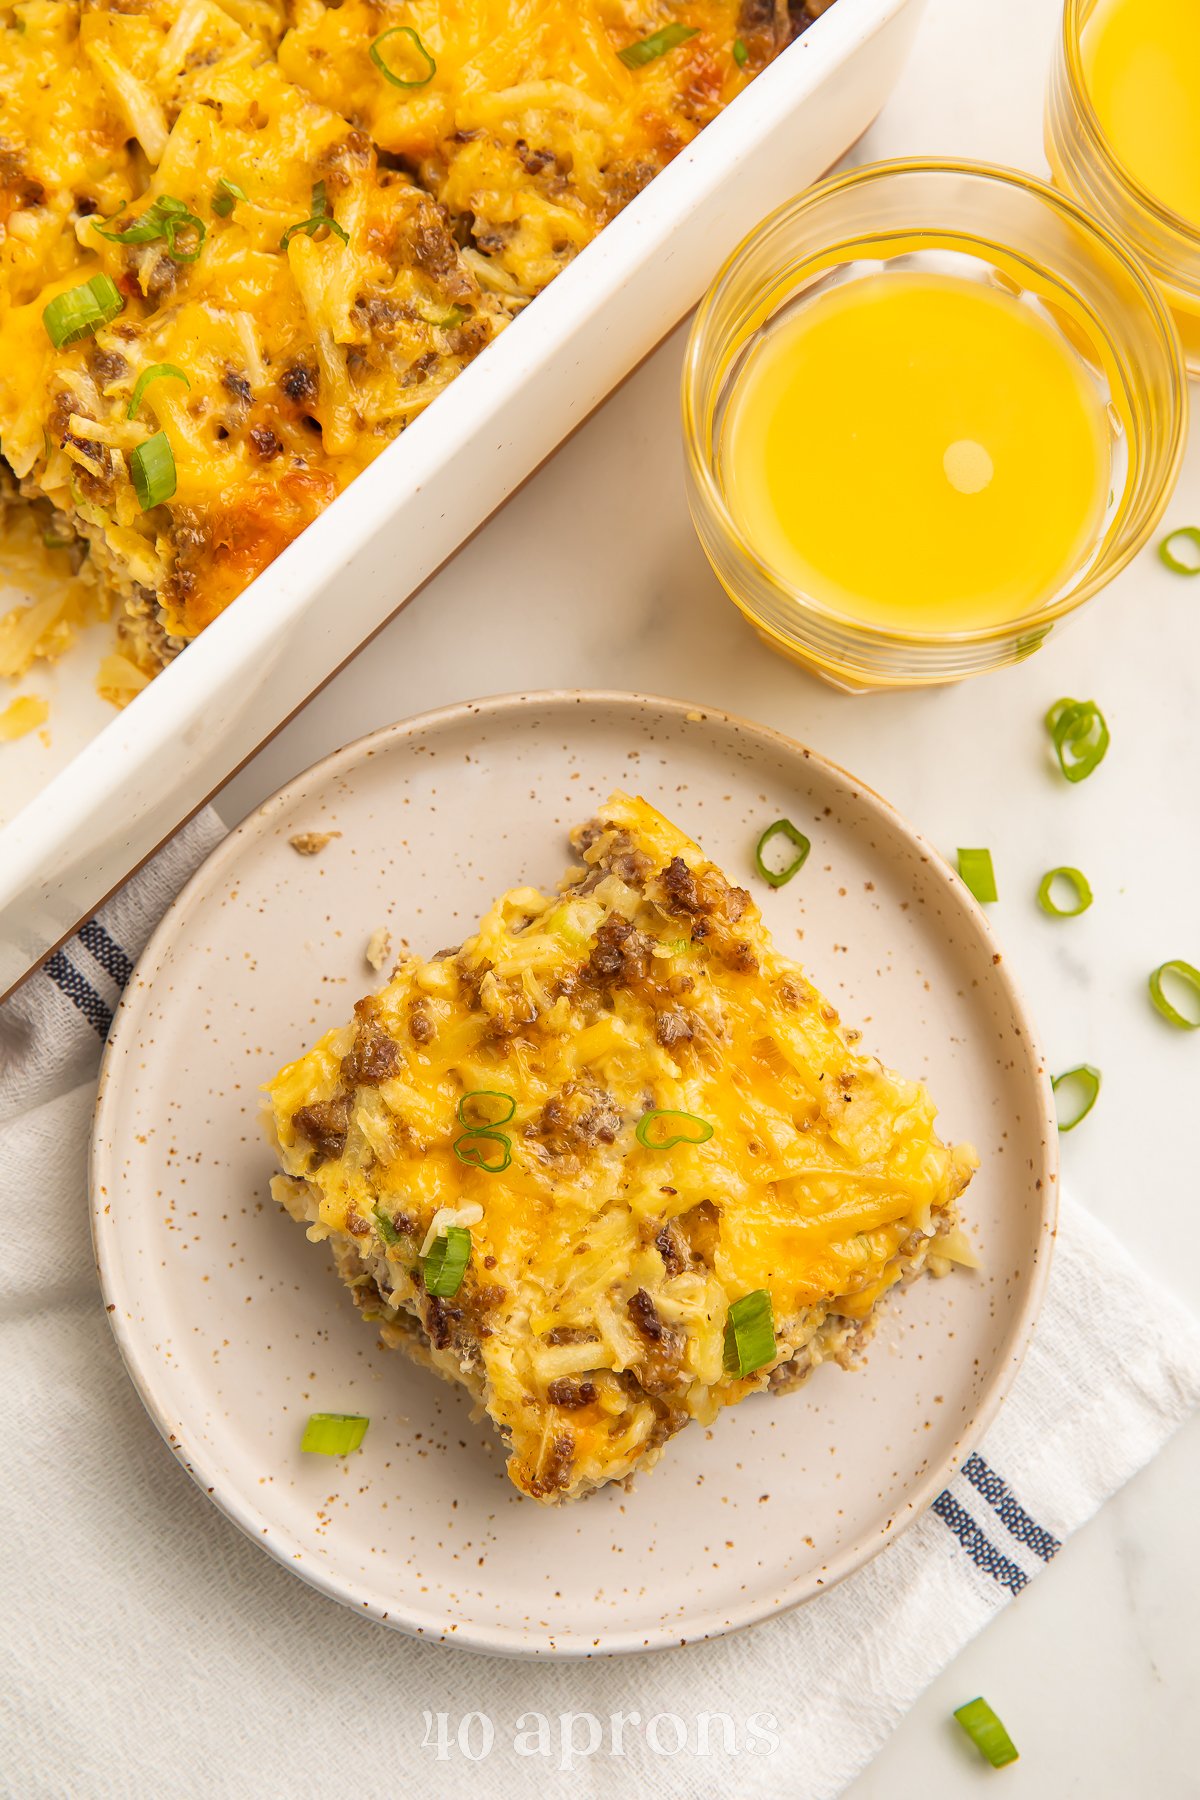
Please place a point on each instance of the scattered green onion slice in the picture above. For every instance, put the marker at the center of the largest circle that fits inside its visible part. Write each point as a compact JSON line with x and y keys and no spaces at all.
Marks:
{"x":152,"y":467}
{"x":164,"y":218}
{"x":454,"y":315}
{"x":649,"y":49}
{"x":684,"y":1128}
{"x":781,"y":828}
{"x":387,"y":1230}
{"x":334,"y":1434}
{"x":741,"y":55}
{"x":975,"y":869}
{"x":81,"y":311}
{"x":422,"y":52}
{"x":1080,"y":736}
{"x":156,"y":372}
{"x":447,"y":1261}
{"x":319,"y":216}
{"x":1078,"y":881}
{"x":469,"y":1149}
{"x":986,"y":1732}
{"x":52,"y":542}
{"x":503,"y":1112}
{"x":1189,"y":975}
{"x":679,"y":946}
{"x":228,"y":192}
{"x":1085,"y":1080}
{"x":1178,"y":565}
{"x":749,"y":1334}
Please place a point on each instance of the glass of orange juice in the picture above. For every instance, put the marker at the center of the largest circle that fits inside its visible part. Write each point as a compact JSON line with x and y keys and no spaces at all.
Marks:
{"x":1123,"y":135}
{"x":929,"y":409}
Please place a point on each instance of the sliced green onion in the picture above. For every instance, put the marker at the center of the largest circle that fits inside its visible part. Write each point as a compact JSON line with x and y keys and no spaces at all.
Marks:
{"x":422,"y":52}
{"x":81,"y":311}
{"x":741,"y":55}
{"x":164,"y":218}
{"x":152,"y":466}
{"x":228,"y":192}
{"x":1085,"y":1084}
{"x":1078,"y":881}
{"x":446,"y":321}
{"x":156,"y":372}
{"x":1080,"y":735}
{"x":986,"y":1732}
{"x":387,"y":1230}
{"x":334,"y":1434}
{"x":1189,"y":976}
{"x":1189,"y":535}
{"x":679,"y":946}
{"x":781,"y":828}
{"x":470,"y":1149}
{"x":56,"y":543}
{"x":684,"y":1128}
{"x":319,"y":216}
{"x":649,"y":49}
{"x":749,"y":1334}
{"x":503,"y":1111}
{"x":975,"y":869}
{"x":446,"y":1264}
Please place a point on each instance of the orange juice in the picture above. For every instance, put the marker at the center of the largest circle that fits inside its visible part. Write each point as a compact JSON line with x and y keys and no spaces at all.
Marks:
{"x":1141,"y":62}
{"x":921,"y":451}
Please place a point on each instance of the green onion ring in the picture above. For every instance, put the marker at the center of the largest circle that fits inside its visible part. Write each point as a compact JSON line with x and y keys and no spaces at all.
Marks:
{"x":975,"y":871}
{"x":749,"y":1334}
{"x":152,"y":468}
{"x":466,"y":1151}
{"x":648,"y":49}
{"x":1087,"y":1079}
{"x":1077,"y":879}
{"x":388,"y":74}
{"x":156,"y":372}
{"x":334,"y":1434}
{"x":1189,"y":975}
{"x":985,"y":1731}
{"x":1080,"y":735}
{"x":164,"y":218}
{"x":1190,"y":535}
{"x":443,"y":1269}
{"x":741,"y":55}
{"x":703,"y":1130}
{"x":506,"y":1100}
{"x":782,"y":828}
{"x":81,"y":311}
{"x":387,"y":1229}
{"x":227,"y":195}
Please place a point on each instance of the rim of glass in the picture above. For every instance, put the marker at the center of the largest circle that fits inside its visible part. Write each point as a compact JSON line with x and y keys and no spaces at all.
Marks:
{"x":1094,"y":229}
{"x":1072,"y":32}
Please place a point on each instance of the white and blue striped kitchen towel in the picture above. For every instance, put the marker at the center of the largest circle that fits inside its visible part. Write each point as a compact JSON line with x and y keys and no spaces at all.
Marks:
{"x":149,"y":1650}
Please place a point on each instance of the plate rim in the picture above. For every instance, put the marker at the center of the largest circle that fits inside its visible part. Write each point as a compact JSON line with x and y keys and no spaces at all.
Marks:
{"x":515,"y":1640}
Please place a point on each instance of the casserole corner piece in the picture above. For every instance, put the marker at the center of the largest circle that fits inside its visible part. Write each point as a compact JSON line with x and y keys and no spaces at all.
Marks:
{"x":613,"y":1163}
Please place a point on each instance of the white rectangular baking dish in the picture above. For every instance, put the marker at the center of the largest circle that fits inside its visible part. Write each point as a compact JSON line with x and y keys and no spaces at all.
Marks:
{"x":85,"y":809}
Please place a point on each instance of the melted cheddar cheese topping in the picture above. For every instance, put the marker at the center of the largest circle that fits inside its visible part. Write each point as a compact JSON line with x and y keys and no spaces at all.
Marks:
{"x":592,"y":1318}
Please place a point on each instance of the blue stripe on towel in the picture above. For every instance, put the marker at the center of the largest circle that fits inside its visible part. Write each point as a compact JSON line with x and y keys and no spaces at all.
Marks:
{"x":979,"y":1548}
{"x":106,"y":950}
{"x":1013,"y":1516}
{"x":79,"y":992}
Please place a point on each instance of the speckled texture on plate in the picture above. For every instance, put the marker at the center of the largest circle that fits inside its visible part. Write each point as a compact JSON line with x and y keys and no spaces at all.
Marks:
{"x":234,"y":1331}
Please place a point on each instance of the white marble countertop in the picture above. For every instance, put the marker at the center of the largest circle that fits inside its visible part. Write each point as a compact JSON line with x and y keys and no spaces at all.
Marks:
{"x":592,"y":577}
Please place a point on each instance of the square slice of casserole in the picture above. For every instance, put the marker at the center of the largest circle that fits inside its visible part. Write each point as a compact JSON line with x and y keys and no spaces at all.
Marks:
{"x":614,"y":1163}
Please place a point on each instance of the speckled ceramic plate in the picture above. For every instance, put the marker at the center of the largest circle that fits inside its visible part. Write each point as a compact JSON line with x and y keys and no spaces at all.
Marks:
{"x":234,"y":1328}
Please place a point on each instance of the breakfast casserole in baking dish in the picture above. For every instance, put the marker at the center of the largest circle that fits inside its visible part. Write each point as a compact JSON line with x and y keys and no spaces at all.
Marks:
{"x":613,"y":1163}
{"x":244,"y":244}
